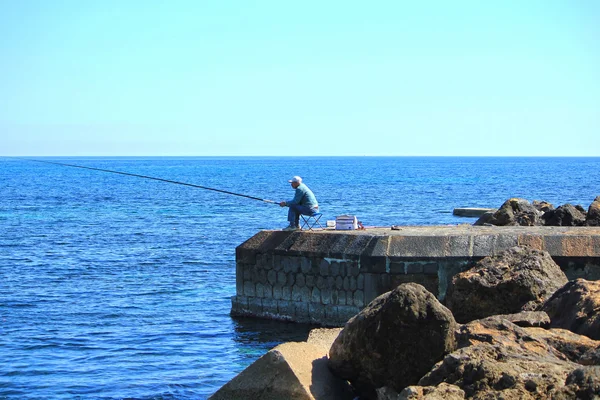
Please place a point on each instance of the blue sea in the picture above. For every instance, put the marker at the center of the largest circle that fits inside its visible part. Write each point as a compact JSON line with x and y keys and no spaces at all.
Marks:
{"x":117,"y":287}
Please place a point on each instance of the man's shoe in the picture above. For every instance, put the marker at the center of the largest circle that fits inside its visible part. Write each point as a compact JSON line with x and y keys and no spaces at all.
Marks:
{"x":291,"y":228}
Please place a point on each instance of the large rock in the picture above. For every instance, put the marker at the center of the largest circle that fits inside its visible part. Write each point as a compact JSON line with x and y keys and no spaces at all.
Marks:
{"x":443,"y":391}
{"x":393,"y":341}
{"x":288,"y":371}
{"x":528,"y":319}
{"x":486,"y":219}
{"x":580,"y":208}
{"x":488,"y":371}
{"x":542,"y":205}
{"x":576,"y":307}
{"x":577,"y":348}
{"x":565,"y":215}
{"x":593,"y":213}
{"x":581,"y":384}
{"x":499,"y":360}
{"x":518,"y":279}
{"x":562,"y":343}
{"x":514,"y":211}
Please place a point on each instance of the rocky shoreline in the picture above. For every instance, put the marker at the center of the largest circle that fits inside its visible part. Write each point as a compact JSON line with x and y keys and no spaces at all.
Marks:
{"x":518,"y":211}
{"x":511,"y":327}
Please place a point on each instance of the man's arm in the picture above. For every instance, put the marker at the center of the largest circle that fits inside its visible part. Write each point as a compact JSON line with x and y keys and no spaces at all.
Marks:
{"x":298,"y":195}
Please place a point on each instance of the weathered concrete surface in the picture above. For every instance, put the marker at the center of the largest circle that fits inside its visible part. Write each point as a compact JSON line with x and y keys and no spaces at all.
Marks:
{"x":428,"y":241}
{"x":327,"y":276}
{"x":295,"y":371}
{"x":323,"y":337}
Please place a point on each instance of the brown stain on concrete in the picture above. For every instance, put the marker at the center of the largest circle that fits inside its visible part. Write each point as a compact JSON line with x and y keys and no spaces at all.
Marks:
{"x":535,"y":242}
{"x":577,"y":246}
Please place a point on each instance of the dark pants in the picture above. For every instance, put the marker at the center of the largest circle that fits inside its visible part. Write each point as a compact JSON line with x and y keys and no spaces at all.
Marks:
{"x":295,"y":211}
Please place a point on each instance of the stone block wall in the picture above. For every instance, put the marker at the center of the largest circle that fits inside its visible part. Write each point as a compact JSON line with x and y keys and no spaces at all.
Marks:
{"x":321,"y":291}
{"x":299,"y":288}
{"x":327,"y":277}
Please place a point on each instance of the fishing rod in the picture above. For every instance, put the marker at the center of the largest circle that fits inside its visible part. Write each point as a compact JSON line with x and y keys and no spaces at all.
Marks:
{"x":147,"y":177}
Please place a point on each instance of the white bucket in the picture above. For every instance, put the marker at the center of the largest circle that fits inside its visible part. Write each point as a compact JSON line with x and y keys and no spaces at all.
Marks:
{"x":346,"y":223}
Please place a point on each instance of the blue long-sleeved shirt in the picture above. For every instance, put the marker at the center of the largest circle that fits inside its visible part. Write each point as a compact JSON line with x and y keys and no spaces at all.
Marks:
{"x":304,"y":197}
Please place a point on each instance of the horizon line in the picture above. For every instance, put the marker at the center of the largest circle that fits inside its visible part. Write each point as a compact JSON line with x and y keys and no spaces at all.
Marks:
{"x":299,"y":156}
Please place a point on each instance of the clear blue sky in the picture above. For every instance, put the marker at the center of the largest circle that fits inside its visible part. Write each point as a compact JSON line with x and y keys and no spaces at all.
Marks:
{"x":480,"y":78}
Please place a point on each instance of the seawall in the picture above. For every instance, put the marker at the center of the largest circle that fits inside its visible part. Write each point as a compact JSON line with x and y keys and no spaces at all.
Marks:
{"x":325,"y":277}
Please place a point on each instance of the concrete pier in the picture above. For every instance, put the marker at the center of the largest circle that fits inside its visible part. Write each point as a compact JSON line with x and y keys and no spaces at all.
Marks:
{"x":325,"y":277}
{"x":472,"y":211}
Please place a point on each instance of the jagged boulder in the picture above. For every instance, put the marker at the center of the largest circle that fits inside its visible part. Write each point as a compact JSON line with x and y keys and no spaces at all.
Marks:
{"x":393,"y":341}
{"x":565,"y":215}
{"x":542,"y":205}
{"x":288,"y":371}
{"x":577,"y":348}
{"x":581,"y":384}
{"x":576,"y":307}
{"x":493,"y":371}
{"x":514,"y":211}
{"x":498,"y":331}
{"x":497,"y":359}
{"x":593,"y":213}
{"x":517,"y":279}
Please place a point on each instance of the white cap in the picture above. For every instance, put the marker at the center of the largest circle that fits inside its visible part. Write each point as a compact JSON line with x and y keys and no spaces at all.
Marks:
{"x":295,"y":179}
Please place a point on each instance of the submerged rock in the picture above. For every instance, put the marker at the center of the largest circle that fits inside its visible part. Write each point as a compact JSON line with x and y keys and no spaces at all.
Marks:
{"x":518,"y":279}
{"x":393,"y":341}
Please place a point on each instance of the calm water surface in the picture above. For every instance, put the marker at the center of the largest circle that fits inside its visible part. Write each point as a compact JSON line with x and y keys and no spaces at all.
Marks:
{"x":116,"y":287}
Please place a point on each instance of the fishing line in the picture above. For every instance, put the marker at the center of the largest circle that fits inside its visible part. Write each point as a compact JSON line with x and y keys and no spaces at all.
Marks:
{"x":147,"y":177}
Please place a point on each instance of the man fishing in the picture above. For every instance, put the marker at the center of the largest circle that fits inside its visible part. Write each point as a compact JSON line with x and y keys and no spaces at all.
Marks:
{"x":304,"y":202}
